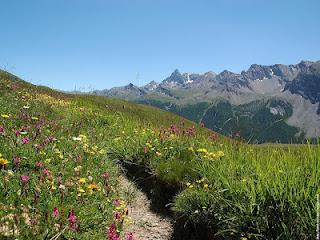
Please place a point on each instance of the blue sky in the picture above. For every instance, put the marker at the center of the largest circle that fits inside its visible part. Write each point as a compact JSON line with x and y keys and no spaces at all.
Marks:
{"x":103,"y":43}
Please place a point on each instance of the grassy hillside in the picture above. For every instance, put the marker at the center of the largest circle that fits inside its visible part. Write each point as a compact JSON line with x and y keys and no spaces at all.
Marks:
{"x":59,"y":167}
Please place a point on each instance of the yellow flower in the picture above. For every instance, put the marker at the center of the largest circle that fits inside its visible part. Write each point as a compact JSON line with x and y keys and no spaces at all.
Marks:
{"x":5,"y":116}
{"x":92,"y":186}
{"x":82,"y":180}
{"x":35,"y":118}
{"x":102,"y":151}
{"x":48,"y":160}
{"x":202,"y":150}
{"x":205,"y":186}
{"x":81,"y":190}
{"x":3,"y":162}
{"x":220,"y":154}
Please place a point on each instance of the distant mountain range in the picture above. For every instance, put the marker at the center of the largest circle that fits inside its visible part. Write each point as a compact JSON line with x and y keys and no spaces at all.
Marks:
{"x":278,"y":103}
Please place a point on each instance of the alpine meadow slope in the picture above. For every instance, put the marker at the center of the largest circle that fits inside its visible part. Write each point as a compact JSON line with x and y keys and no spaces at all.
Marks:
{"x":60,"y":158}
{"x":277,"y":103}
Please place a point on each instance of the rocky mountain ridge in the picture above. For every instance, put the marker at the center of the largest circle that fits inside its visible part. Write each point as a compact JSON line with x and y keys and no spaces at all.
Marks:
{"x":295,"y":87}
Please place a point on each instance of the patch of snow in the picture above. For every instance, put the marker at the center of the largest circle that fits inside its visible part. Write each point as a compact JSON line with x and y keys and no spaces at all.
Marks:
{"x":189,"y":80}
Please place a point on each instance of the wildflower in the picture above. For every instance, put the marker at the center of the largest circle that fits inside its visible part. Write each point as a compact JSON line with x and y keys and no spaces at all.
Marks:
{"x":26,"y":107}
{"x":158,"y":154}
{"x":129,"y":236}
{"x":5,"y":116}
{"x":72,"y":219}
{"x":76,"y":138}
{"x":82,"y":180}
{"x":202,"y":150}
{"x":46,"y":172}
{"x":53,"y":186}
{"x":1,"y":130}
{"x":35,"y":118}
{"x":3,"y":162}
{"x":112,"y":233}
{"x":146,"y":149}
{"x":48,"y":160}
{"x":78,"y":168}
{"x":220,"y":154}
{"x":24,"y":178}
{"x":102,"y":151}
{"x":38,"y":164}
{"x":81,"y":190}
{"x":117,"y":215}
{"x":25,"y":140}
{"x":105,"y":175}
{"x":205,"y":186}
{"x":55,"y":212}
{"x":92,"y":187}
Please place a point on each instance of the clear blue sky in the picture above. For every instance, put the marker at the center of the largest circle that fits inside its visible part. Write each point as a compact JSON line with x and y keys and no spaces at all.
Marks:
{"x":105,"y":43}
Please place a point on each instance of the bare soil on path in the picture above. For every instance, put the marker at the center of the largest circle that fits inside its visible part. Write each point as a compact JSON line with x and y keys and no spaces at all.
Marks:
{"x":146,"y":224}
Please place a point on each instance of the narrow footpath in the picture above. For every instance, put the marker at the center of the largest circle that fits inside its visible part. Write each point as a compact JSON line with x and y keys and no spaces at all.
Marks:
{"x":146,"y":224}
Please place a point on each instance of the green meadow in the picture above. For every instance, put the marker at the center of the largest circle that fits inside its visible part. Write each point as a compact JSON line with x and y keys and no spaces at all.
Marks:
{"x":61,"y":156}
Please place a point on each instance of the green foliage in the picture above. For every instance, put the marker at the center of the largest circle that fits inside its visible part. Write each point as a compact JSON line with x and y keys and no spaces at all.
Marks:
{"x":253,"y":121}
{"x":228,"y":189}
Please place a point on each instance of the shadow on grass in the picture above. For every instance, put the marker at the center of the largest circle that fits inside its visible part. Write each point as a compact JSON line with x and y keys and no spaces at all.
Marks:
{"x":161,"y":195}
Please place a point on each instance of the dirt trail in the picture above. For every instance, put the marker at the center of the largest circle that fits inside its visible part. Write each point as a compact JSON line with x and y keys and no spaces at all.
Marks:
{"x":145,"y":223}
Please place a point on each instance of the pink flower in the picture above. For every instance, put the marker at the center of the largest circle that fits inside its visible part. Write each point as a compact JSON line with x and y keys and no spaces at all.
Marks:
{"x":46,"y":172}
{"x":117,"y":215}
{"x":146,"y":149}
{"x":105,"y":175}
{"x":55,"y":212}
{"x":117,"y":202}
{"x":1,"y":130}
{"x":72,"y":219}
{"x":38,"y":164}
{"x":24,"y":178}
{"x":17,"y":132}
{"x":129,"y":236}
{"x":25,"y":140}
{"x":112,"y":233}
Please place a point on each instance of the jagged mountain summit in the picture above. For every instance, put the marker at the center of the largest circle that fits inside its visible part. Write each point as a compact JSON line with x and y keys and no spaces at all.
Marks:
{"x":277,"y":103}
